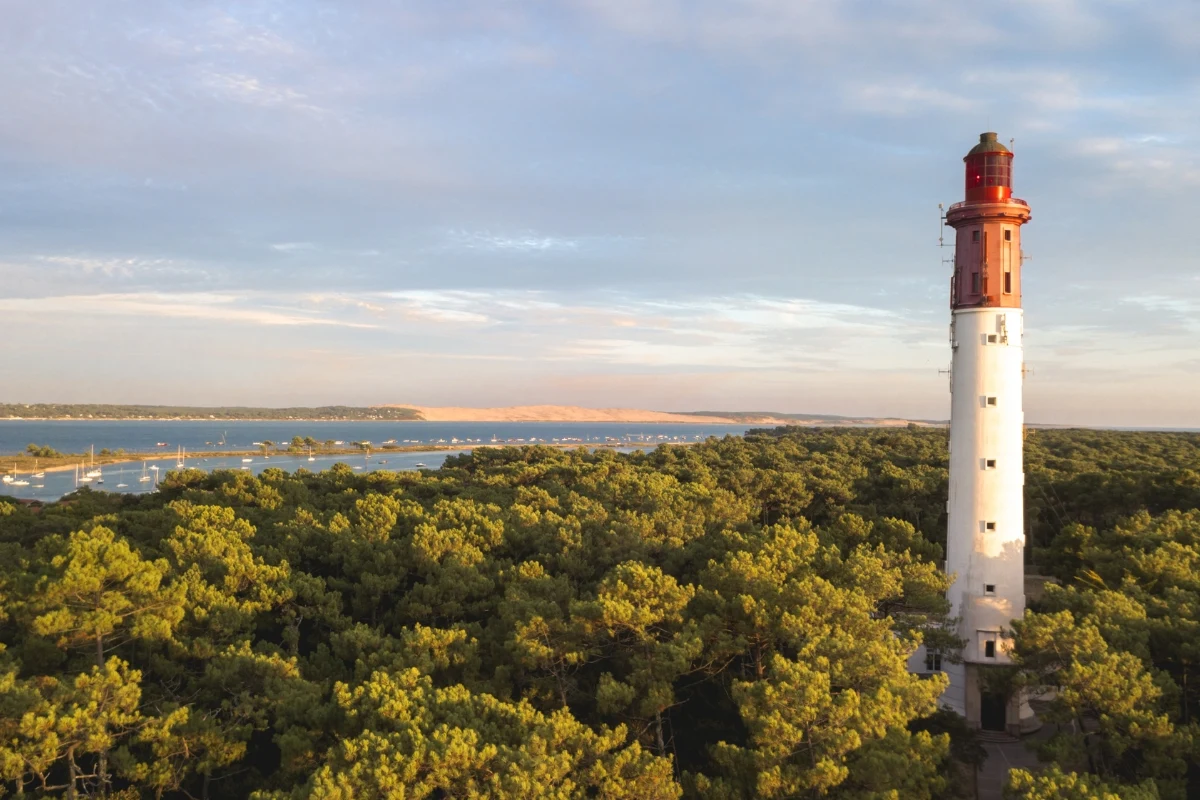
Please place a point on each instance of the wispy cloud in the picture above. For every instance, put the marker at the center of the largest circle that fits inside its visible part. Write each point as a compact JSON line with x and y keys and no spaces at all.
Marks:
{"x":215,"y":308}
{"x":110,"y":267}
{"x":1181,"y":312}
{"x":229,"y":33}
{"x":1163,"y":161}
{"x":256,"y":91}
{"x":521,"y":242}
{"x":748,"y":26}
{"x":906,"y":97}
{"x":464,"y":308}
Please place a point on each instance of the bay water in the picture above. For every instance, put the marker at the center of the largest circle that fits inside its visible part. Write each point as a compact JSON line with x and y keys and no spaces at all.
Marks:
{"x":162,"y":438}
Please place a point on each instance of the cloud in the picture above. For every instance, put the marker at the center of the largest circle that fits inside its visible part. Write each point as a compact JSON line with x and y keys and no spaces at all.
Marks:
{"x":1180,"y":312}
{"x":740,"y":331}
{"x":215,"y":308}
{"x":557,"y":339}
{"x":653,"y":189}
{"x":905,"y":97}
{"x":108,"y":267}
{"x":256,"y":91}
{"x":524,"y":242}
{"x":749,"y":26}
{"x":466,"y":308}
{"x":1158,"y":160}
{"x":229,"y":33}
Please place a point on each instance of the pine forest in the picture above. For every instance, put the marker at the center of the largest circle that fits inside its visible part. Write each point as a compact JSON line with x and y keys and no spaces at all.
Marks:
{"x":727,"y":620}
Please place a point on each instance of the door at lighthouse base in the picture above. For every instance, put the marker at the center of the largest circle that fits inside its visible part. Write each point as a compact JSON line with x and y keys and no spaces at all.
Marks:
{"x":992,"y":711}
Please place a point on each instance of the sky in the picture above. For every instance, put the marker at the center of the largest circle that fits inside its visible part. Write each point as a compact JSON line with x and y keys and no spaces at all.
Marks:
{"x":667,"y":204}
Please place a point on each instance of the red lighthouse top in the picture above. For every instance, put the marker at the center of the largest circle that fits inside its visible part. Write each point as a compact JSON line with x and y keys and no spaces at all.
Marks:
{"x":987,"y":224}
{"x":989,"y":171}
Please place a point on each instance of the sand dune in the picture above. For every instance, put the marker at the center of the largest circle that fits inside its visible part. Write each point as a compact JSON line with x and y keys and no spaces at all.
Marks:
{"x":548,"y":413}
{"x":554,"y":414}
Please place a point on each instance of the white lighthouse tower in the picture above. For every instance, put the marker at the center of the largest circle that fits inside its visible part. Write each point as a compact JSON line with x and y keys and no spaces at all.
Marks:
{"x":985,"y":537}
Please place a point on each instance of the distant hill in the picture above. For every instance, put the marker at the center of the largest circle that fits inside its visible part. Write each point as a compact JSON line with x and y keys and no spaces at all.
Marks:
{"x":401,"y":413}
{"x":107,"y":411}
{"x":780,"y":418}
{"x":557,"y":414}
{"x":548,"y":413}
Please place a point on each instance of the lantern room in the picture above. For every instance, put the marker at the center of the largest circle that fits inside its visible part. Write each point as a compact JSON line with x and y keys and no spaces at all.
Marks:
{"x":989,"y":171}
{"x":987,"y":255}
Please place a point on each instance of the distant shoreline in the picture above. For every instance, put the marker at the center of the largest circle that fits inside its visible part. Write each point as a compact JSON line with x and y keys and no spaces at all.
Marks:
{"x":544,"y":413}
{"x":73,"y":461}
{"x":856,"y":422}
{"x":390,"y":421}
{"x":137,"y":458}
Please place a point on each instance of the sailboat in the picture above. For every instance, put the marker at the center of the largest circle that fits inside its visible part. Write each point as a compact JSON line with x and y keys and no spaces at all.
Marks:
{"x":310,"y":455}
{"x":121,"y":478}
{"x":179,"y":457}
{"x":37,"y":474}
{"x":83,"y":476}
{"x":17,"y":480}
{"x":145,"y":478}
{"x":93,"y":472}
{"x":10,"y":478}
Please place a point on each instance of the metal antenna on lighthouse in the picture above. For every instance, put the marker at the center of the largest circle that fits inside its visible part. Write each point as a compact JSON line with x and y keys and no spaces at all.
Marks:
{"x":942,"y":233}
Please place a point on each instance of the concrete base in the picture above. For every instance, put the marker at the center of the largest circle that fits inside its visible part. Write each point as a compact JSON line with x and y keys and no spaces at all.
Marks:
{"x":1019,"y":718}
{"x":963,"y":696}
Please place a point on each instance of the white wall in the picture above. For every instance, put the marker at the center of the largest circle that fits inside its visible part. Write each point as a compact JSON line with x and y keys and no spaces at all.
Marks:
{"x":978,"y":555}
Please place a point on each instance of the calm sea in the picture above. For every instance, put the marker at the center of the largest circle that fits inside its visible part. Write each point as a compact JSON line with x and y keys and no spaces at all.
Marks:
{"x":197,"y":436}
{"x":144,"y":436}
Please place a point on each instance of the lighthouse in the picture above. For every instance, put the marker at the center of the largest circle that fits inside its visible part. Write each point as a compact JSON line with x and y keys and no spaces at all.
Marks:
{"x":985,"y":535}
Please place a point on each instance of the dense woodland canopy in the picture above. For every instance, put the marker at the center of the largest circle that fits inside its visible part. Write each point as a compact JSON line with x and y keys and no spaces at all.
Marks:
{"x":729,"y":620}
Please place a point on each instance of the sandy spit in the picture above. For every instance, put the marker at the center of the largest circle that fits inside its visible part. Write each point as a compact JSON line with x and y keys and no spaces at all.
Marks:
{"x":556,"y":414}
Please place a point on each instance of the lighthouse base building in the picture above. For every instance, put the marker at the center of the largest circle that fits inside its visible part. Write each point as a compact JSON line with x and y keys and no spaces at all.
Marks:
{"x":985,"y":526}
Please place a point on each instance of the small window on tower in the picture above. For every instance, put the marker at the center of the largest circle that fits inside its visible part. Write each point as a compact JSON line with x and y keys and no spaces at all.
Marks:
{"x":975,"y":283}
{"x":989,"y":588}
{"x":1008,"y":283}
{"x":991,"y":526}
{"x":990,"y":463}
{"x":989,"y":648}
{"x":991,"y":401}
{"x":1008,"y":235}
{"x":974,"y":236}
{"x":991,"y":338}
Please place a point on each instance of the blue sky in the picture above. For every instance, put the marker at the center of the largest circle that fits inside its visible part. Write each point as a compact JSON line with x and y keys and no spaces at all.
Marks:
{"x":665,"y":204}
